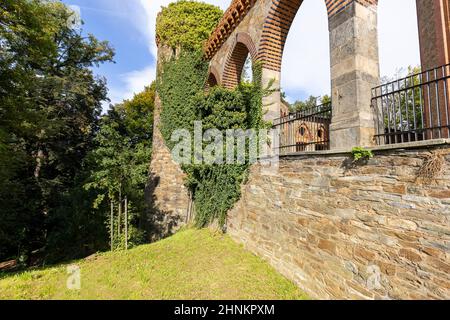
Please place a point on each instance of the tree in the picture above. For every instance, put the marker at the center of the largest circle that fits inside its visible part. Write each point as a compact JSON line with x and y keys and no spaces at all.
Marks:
{"x":187,"y":24}
{"x":120,"y":164}
{"x":309,"y":103}
{"x":50,"y":102}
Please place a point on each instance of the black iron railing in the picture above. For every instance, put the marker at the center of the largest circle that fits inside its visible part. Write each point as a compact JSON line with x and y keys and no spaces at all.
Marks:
{"x":305,"y":130}
{"x":414,"y":108}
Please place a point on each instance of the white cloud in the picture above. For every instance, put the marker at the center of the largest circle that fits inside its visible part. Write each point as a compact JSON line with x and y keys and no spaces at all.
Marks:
{"x":133,"y":82}
{"x":74,"y":20}
{"x":306,"y":61}
{"x":398,"y":35}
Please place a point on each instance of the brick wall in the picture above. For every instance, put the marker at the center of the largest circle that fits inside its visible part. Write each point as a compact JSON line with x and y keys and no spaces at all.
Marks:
{"x":242,"y":48}
{"x":434,"y":32}
{"x":368,"y":232}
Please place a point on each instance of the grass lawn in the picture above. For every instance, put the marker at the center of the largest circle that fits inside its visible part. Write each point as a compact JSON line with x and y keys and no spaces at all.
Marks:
{"x":193,"y":264}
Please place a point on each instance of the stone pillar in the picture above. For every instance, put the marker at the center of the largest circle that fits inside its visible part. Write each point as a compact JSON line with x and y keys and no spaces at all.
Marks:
{"x":354,"y":72}
{"x":271,"y":103}
{"x":434,"y":32}
{"x":166,"y":195}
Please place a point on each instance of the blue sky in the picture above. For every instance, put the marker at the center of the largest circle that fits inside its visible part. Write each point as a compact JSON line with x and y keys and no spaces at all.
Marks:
{"x":129,"y":26}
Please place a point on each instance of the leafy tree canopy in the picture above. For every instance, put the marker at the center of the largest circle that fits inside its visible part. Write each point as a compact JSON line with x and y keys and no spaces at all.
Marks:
{"x":187,"y":24}
{"x":311,"y":102}
{"x":50,"y":102}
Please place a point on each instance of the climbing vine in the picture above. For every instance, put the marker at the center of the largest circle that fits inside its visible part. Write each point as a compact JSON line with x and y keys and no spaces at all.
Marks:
{"x":181,"y":80}
{"x":215,"y":188}
{"x":181,"y":87}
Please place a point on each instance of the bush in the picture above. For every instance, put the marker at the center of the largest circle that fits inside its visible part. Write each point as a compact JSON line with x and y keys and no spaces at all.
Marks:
{"x":187,"y":24}
{"x":215,"y":188}
{"x":361,"y":154}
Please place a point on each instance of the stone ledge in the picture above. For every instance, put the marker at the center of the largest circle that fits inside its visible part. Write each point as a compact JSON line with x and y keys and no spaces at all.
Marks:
{"x":390,"y":147}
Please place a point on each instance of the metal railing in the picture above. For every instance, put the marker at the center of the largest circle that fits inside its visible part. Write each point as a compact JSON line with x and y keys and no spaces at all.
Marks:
{"x":305,"y":130}
{"x":414,"y":108}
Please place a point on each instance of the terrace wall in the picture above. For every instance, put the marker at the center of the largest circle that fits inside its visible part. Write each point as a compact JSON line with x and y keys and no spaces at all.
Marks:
{"x":370,"y":231}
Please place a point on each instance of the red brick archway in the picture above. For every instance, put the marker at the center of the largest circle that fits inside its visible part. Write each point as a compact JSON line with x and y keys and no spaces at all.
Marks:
{"x":243,"y":46}
{"x":278,"y":23}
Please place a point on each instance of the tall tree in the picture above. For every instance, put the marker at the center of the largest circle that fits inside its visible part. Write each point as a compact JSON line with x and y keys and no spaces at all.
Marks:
{"x":50,"y":102}
{"x":120,"y":164}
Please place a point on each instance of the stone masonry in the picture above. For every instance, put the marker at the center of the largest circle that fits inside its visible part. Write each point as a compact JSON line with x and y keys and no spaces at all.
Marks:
{"x":167,"y":194}
{"x":374,"y":230}
{"x":371,"y":231}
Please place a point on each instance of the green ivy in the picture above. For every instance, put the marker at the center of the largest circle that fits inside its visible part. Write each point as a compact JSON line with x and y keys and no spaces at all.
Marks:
{"x":361,"y":154}
{"x":187,"y":24}
{"x":181,"y":81}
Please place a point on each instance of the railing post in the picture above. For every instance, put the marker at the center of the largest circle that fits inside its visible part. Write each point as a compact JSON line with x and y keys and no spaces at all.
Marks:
{"x":354,"y":72}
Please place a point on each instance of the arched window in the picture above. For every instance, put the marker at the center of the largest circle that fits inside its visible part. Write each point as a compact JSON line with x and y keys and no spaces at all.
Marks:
{"x":303,"y":138}
{"x":302,"y":131}
{"x":213,"y":78}
{"x":212,"y":81}
{"x":320,"y":133}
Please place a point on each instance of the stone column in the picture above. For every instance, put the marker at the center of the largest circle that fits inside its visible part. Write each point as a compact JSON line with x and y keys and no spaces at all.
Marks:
{"x":271,"y":103}
{"x":271,"y":107}
{"x":354,"y":72}
{"x":167,"y":197}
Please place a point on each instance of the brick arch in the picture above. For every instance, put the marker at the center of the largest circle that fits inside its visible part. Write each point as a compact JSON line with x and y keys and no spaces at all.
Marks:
{"x":213,"y":78}
{"x":278,"y":23}
{"x":242,"y":47}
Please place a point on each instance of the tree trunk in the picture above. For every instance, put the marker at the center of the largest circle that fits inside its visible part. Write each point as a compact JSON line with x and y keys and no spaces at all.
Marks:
{"x":126,"y":223}
{"x":120,"y":212}
{"x":39,"y":160}
{"x":112,"y":226}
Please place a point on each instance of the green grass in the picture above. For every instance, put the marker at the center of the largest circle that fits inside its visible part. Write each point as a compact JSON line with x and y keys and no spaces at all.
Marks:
{"x":193,"y":264}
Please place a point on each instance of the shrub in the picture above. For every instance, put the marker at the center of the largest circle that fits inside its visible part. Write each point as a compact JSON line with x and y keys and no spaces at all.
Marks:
{"x":187,"y":24}
{"x":361,"y":154}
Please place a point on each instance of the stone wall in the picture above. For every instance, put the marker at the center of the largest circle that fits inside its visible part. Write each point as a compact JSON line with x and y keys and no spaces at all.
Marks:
{"x":166,"y":194}
{"x":371,"y":231}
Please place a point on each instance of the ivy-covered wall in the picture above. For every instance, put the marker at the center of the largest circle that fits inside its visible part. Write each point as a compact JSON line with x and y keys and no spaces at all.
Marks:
{"x":182,"y":28}
{"x":186,"y":24}
{"x":215,"y":188}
